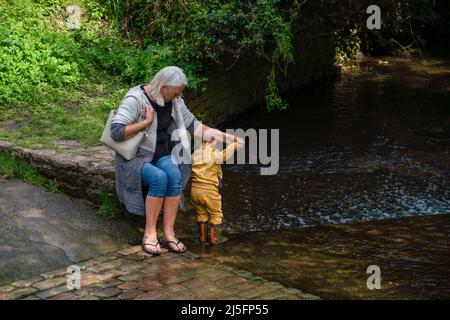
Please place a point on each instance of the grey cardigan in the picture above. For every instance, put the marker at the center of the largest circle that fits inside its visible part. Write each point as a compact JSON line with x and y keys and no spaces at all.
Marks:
{"x":129,"y":186}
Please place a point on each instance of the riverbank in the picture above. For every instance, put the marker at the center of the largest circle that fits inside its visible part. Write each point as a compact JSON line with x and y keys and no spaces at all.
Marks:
{"x":82,"y":172}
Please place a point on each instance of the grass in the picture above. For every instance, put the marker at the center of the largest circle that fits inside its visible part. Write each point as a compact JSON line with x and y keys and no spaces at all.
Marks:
{"x":81,"y":117}
{"x":110,"y":207}
{"x":11,"y":168}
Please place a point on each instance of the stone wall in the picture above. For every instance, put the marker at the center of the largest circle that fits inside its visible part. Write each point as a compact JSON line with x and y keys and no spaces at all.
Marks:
{"x":232,"y":91}
{"x":80,"y":172}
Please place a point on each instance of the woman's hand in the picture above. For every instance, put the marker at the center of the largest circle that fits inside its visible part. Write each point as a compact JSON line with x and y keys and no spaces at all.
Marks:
{"x":240,"y":142}
{"x":149,"y":114}
{"x":229,"y":138}
{"x":206,"y":133}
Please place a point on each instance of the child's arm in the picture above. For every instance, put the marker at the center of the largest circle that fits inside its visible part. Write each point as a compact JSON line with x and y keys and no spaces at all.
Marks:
{"x":220,"y":156}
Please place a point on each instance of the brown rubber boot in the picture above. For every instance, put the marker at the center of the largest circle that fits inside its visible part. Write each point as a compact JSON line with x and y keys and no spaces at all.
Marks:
{"x":202,"y":232}
{"x":215,"y":234}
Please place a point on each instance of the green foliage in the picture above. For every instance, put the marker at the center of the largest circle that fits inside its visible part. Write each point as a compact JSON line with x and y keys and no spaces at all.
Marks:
{"x":110,"y":207}
{"x":347,"y":45}
{"x":203,"y":33}
{"x":273,"y":99}
{"x":11,"y":168}
{"x":44,"y":67}
{"x":34,"y":60}
{"x":201,"y":116}
{"x":407,"y":27}
{"x":7,"y":165}
{"x":39,"y":55}
{"x":418,"y":21}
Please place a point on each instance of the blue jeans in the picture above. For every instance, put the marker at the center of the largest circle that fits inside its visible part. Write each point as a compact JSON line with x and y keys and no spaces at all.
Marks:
{"x":162,"y":179}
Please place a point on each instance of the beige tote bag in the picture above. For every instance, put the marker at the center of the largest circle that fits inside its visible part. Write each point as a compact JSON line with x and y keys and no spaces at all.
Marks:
{"x":127,"y":148}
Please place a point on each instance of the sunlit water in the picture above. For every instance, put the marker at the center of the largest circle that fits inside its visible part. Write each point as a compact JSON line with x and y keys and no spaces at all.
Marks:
{"x":373,"y":144}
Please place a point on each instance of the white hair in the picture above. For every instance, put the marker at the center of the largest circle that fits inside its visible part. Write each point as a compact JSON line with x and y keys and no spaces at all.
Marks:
{"x":171,"y":76}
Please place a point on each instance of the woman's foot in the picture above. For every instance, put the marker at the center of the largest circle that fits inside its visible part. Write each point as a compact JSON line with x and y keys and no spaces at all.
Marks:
{"x":174,"y":245}
{"x":151,"y":246}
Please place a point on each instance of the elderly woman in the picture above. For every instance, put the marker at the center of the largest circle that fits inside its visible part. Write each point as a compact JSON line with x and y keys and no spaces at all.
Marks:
{"x":153,"y":175}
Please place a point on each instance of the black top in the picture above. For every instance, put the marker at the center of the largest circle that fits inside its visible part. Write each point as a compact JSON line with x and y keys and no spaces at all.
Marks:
{"x":164,"y":116}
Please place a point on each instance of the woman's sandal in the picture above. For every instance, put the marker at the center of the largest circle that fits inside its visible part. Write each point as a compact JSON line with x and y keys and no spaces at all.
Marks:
{"x":167,"y":244}
{"x":153,"y":245}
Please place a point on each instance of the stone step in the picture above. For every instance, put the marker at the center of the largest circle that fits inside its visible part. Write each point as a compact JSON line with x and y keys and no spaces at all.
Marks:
{"x":132,"y":274}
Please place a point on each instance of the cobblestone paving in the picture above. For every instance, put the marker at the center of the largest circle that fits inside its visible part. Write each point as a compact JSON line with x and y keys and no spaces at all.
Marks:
{"x":132,"y":274}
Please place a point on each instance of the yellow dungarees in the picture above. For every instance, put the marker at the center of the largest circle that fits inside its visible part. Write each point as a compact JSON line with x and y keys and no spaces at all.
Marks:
{"x":206,"y":174}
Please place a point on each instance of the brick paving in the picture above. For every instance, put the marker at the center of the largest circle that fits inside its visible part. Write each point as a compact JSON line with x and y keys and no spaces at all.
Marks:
{"x":130,"y":273}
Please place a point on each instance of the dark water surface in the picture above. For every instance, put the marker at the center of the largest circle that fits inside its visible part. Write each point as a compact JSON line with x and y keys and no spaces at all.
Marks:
{"x":371,"y":145}
{"x":331,"y":261}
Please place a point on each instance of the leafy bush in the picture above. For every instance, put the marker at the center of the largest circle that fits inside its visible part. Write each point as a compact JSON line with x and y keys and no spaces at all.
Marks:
{"x":35,"y":61}
{"x":45,"y":67}
{"x":200,"y":33}
{"x":347,"y":45}
{"x":40,"y":57}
